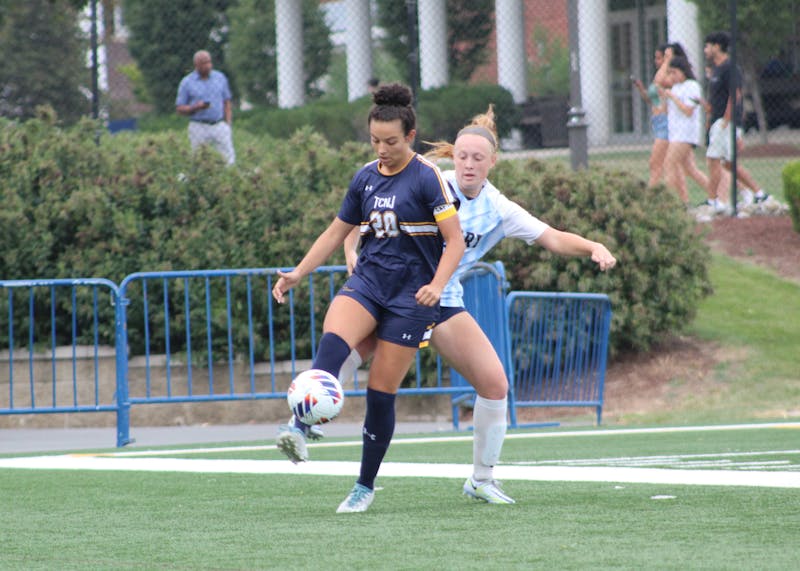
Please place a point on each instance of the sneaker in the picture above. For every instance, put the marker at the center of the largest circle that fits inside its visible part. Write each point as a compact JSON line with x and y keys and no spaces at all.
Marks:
{"x":488,"y":491}
{"x":760,"y":197}
{"x":313,"y":432}
{"x":707,"y":202}
{"x":292,"y":442}
{"x":720,"y":207}
{"x":747,"y":197}
{"x":358,"y":500}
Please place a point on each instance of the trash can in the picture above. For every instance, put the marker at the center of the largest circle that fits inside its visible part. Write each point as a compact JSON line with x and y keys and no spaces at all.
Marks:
{"x":554,"y":120}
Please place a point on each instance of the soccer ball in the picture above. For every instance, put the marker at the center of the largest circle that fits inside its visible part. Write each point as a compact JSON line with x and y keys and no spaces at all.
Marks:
{"x":315,"y":397}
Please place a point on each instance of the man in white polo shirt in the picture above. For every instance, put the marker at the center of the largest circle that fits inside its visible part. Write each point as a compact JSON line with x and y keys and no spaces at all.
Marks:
{"x":205,"y":97}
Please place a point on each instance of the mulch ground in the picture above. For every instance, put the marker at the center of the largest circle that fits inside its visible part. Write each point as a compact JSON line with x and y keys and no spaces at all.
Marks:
{"x":768,"y":241}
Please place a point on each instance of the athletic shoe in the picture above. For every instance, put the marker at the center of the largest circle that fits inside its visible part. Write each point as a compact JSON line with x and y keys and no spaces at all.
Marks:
{"x":746,"y":197}
{"x":488,"y":491}
{"x":358,"y":500}
{"x":707,"y":202}
{"x":720,"y":207}
{"x":762,"y":198}
{"x":292,"y":442}
{"x":313,"y":432}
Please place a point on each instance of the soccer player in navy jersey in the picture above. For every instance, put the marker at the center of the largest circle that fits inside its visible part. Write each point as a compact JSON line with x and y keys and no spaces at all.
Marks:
{"x":486,"y":218}
{"x":411,"y":245}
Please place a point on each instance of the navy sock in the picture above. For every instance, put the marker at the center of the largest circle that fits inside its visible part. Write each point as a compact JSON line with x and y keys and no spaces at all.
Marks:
{"x":377,"y":434}
{"x":331,"y":353}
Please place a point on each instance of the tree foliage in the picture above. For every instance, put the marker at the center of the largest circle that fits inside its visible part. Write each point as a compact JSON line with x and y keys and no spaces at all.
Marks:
{"x":763,"y":25}
{"x":469,"y":28}
{"x":42,"y":59}
{"x":252,"y":48}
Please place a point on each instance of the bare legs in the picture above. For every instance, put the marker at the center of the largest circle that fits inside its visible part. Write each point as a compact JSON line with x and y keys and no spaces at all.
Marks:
{"x":657,"y":156}
{"x":675,"y":167}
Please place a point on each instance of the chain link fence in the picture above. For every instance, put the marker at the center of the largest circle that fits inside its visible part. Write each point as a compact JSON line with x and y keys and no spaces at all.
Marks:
{"x":123,"y":60}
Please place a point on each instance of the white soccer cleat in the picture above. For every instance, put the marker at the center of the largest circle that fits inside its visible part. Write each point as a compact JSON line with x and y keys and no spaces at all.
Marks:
{"x":358,"y":500}
{"x":488,"y":491}
{"x":313,"y":432}
{"x":292,"y":442}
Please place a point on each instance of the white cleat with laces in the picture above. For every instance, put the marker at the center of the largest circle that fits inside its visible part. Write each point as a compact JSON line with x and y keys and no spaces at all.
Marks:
{"x":489,"y":491}
{"x":358,"y":500}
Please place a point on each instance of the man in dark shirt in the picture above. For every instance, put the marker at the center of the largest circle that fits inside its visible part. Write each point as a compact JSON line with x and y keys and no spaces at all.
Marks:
{"x":725,"y":113}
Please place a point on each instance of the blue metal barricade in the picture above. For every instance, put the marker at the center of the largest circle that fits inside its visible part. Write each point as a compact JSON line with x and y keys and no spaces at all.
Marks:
{"x":557,"y":347}
{"x":88,"y":345}
{"x":220,"y":336}
{"x":59,"y":352}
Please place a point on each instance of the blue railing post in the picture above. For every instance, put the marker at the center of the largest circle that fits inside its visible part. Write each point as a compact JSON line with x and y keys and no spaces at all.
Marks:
{"x":121,"y":352}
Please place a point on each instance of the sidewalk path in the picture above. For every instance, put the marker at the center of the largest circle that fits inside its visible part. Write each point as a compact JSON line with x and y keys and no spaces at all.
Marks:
{"x":23,"y":440}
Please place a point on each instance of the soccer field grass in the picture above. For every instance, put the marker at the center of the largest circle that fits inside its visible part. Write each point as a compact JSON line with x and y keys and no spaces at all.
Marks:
{"x":244,"y":507}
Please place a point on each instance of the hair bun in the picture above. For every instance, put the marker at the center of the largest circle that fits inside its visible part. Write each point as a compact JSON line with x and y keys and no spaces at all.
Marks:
{"x":394,"y":94}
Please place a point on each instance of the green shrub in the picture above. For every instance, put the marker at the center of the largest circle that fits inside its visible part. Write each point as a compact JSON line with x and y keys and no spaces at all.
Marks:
{"x":662,"y":270}
{"x":791,"y":190}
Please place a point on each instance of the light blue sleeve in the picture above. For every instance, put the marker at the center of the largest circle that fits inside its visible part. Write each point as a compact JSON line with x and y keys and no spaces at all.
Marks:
{"x":183,"y":94}
{"x":226,"y":89}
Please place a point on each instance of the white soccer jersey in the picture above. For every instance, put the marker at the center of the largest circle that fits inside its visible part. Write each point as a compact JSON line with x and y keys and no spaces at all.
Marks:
{"x":485,"y":221}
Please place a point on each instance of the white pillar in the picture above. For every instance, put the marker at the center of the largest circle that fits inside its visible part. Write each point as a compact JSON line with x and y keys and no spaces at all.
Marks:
{"x":289,"y":40}
{"x":682,"y":27}
{"x":512,"y":61}
{"x":432,"y":21}
{"x":595,"y":68}
{"x":359,"y":48}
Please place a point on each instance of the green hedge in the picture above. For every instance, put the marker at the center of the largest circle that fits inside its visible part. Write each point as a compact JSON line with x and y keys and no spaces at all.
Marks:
{"x":662,"y":270}
{"x":791,"y":190}
{"x":143,"y":202}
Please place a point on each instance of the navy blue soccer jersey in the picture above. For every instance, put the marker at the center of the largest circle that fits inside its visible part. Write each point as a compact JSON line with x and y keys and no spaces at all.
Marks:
{"x":400,"y":240}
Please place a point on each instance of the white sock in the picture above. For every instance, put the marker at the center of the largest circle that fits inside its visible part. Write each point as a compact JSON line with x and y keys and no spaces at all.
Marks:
{"x":349,"y":367}
{"x":760,"y":193}
{"x":489,"y":425}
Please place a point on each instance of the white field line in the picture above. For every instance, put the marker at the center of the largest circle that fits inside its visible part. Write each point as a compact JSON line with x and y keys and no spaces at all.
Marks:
{"x":467,"y":438}
{"x":663,"y":459}
{"x":407,"y":469}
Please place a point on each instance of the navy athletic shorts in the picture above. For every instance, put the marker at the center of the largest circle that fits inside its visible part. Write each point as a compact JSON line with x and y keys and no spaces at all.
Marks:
{"x":394,"y":328}
{"x":448,"y":312}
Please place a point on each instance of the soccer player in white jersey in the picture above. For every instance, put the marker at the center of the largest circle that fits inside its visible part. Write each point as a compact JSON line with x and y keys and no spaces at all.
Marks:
{"x":486,"y":218}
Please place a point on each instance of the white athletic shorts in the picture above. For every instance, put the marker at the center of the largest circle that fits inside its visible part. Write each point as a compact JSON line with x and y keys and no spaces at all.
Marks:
{"x":719,"y":141}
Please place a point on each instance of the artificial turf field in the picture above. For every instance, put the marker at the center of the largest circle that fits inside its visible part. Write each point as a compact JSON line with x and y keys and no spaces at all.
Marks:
{"x":721,"y":497}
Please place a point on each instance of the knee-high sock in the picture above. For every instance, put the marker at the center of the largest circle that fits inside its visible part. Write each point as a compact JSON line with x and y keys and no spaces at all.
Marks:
{"x":489,"y":425}
{"x":377,"y":434}
{"x":349,"y":367}
{"x":332,"y":352}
